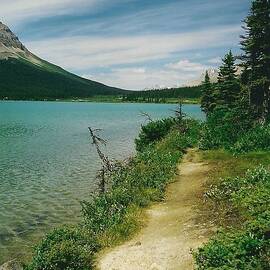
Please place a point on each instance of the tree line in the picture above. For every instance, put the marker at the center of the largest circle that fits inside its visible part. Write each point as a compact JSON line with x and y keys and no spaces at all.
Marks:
{"x":160,"y":95}
{"x":251,"y":89}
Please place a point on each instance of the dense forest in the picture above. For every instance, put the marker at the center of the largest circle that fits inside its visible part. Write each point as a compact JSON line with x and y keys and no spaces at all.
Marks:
{"x":22,"y":80}
{"x":249,"y":93}
{"x":162,"y":95}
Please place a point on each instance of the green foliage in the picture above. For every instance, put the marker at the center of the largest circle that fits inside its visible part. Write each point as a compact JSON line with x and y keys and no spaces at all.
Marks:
{"x":23,"y":80}
{"x":248,"y":247}
{"x":224,"y":127}
{"x":65,"y":248}
{"x":256,"y":58}
{"x":208,"y":98}
{"x":241,"y":250}
{"x":228,"y":87}
{"x":160,"y":95}
{"x":153,"y":131}
{"x":235,"y":131}
{"x":256,"y":139}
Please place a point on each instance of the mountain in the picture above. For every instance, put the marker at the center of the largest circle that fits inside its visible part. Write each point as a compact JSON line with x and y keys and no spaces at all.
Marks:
{"x":213,"y":74}
{"x":25,"y":76}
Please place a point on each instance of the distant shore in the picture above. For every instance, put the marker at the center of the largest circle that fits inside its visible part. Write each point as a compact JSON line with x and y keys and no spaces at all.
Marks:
{"x":112,"y":99}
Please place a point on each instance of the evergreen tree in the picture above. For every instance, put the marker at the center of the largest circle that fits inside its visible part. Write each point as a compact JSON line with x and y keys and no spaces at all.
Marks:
{"x":256,"y":60}
{"x":207,"y":100}
{"x":228,"y":87}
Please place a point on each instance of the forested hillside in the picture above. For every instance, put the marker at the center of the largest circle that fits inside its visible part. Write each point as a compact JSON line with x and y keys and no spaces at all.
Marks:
{"x":162,"y":95}
{"x":24,"y":81}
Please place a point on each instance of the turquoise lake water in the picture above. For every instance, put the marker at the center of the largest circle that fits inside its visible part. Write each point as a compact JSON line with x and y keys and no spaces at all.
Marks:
{"x":47,"y":162}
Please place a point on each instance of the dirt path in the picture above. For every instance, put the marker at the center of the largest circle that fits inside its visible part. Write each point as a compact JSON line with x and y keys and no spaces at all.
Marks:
{"x":172,"y":229}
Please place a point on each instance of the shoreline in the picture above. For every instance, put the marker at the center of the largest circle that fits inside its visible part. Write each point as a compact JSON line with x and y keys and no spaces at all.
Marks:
{"x":112,"y":217}
{"x":185,"y":102}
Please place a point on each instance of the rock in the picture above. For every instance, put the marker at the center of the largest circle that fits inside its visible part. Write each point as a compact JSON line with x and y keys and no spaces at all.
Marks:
{"x":10,"y":45}
{"x":11,"y":265}
{"x":9,"y":39}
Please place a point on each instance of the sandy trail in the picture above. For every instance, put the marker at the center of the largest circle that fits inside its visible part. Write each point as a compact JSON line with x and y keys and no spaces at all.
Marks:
{"x":172,"y":228}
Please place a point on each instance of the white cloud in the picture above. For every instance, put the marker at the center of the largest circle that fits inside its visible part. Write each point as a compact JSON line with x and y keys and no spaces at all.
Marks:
{"x":215,"y":60}
{"x":14,"y":11}
{"x":186,"y":66}
{"x":82,"y":52}
{"x":141,"y":78}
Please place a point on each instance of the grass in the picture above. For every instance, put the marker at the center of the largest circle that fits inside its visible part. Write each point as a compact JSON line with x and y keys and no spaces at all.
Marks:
{"x":225,"y":164}
{"x":133,"y":222}
{"x":236,"y":198}
{"x":222,"y":165}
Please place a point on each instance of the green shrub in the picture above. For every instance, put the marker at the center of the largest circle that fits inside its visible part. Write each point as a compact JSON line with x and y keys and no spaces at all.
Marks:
{"x":65,"y":248}
{"x":235,"y":249}
{"x":249,"y":247}
{"x":153,"y":131}
{"x":143,"y":180}
{"x":224,"y":127}
{"x":255,"y":139}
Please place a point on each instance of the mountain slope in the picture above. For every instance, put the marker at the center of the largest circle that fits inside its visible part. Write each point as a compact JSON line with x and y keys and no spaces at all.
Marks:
{"x":25,"y":76}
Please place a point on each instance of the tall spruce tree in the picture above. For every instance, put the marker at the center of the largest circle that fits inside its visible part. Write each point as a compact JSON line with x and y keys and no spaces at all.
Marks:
{"x":256,"y":60}
{"x":228,"y":87}
{"x":207,"y":100}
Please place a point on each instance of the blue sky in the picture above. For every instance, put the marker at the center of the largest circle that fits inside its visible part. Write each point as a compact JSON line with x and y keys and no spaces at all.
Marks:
{"x":132,"y":44}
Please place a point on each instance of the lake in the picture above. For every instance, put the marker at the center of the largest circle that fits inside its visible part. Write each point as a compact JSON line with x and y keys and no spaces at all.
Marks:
{"x":48,"y":165}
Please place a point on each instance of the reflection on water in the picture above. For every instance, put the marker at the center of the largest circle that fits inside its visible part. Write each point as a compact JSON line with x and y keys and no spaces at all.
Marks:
{"x":47,"y":164}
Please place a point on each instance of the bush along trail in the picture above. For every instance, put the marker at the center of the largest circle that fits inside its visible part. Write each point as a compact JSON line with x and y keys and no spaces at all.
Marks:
{"x":239,"y":204}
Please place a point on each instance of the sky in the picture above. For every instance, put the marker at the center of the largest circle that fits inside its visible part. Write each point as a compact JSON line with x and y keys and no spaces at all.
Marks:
{"x":131,"y":44}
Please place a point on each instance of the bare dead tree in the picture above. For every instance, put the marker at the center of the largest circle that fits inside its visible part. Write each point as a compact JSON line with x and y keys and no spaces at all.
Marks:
{"x":107,"y":165}
{"x":147,"y":116}
{"x":97,"y":141}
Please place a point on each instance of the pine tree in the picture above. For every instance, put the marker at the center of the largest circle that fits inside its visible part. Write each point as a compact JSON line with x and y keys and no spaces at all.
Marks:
{"x":207,"y":100}
{"x":228,"y":87}
{"x":256,"y":60}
